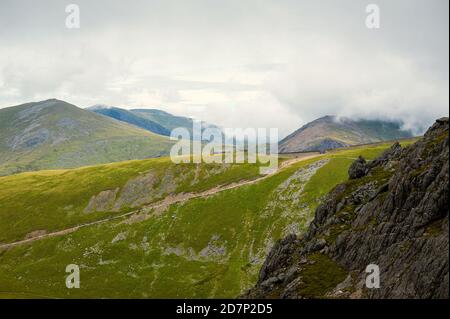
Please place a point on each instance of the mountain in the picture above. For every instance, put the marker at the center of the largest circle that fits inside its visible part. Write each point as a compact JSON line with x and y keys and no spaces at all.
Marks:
{"x":156,"y":121}
{"x":56,"y":134}
{"x":165,"y":119}
{"x":170,"y":121}
{"x":392,"y":213}
{"x":330,"y":132}
{"x":131,"y":118}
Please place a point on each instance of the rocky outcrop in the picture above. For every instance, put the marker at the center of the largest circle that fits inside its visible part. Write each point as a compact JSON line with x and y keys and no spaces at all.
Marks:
{"x":392,"y":214}
{"x":358,"y":168}
{"x":101,"y":202}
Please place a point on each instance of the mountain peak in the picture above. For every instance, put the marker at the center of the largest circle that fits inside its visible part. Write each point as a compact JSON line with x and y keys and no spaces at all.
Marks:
{"x":51,"y":100}
{"x":331,"y":131}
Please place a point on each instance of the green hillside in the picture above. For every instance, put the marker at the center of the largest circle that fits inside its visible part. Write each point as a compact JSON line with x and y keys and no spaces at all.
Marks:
{"x":56,"y":134}
{"x":58,"y":199}
{"x":209,"y":246}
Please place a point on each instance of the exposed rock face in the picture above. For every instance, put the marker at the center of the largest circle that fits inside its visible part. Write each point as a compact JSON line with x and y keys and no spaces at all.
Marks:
{"x":394,"y":216}
{"x":358,"y":168}
{"x":104,"y":201}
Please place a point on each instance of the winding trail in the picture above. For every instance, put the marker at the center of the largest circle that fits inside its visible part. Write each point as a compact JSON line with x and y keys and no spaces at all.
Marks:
{"x":169,"y":200}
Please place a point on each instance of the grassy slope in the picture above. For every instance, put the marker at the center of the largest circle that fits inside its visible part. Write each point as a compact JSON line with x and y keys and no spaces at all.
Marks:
{"x":55,"y":199}
{"x":166,"y":255}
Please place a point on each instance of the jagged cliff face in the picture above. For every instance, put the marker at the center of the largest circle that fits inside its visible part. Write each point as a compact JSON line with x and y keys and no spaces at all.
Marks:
{"x":393,"y":212}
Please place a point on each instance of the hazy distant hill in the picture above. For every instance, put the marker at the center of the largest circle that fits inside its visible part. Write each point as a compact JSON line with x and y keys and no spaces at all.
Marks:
{"x":329,"y":132}
{"x":153,"y":120}
{"x":131,"y":118}
{"x":53,"y":133}
{"x":165,"y":119}
{"x":170,"y":121}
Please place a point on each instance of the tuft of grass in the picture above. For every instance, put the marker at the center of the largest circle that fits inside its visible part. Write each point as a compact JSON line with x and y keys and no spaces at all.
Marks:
{"x":434,"y":229}
{"x":319,"y":277}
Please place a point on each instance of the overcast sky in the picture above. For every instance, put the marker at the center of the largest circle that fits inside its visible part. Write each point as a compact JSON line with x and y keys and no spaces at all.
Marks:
{"x":237,"y":63}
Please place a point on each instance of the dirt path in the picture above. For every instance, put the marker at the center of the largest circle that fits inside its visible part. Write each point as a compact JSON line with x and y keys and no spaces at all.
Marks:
{"x":169,"y":200}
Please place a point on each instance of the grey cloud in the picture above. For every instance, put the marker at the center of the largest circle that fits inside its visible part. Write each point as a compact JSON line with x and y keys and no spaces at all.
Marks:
{"x":273,"y":63}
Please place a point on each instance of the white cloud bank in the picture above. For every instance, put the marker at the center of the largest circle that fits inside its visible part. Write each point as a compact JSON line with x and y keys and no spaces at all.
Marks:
{"x":233,"y":63}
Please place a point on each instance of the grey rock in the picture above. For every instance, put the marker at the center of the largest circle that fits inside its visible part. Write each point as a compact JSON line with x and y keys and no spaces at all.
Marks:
{"x":358,"y":168}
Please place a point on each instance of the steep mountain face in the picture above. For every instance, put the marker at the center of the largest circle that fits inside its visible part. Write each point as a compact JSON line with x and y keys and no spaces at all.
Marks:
{"x":156,"y":121}
{"x":393,"y":213}
{"x":165,"y":119}
{"x":55,"y":134}
{"x":131,"y":118}
{"x":170,"y":121}
{"x":330,"y":132}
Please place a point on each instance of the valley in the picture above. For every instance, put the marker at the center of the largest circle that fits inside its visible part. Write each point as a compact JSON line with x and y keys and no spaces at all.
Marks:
{"x":153,"y":229}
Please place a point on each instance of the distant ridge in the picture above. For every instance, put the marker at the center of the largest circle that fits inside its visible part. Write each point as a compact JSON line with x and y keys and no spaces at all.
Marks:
{"x":131,"y":118}
{"x":330,"y":132}
{"x":165,"y":119}
{"x":153,"y":120}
